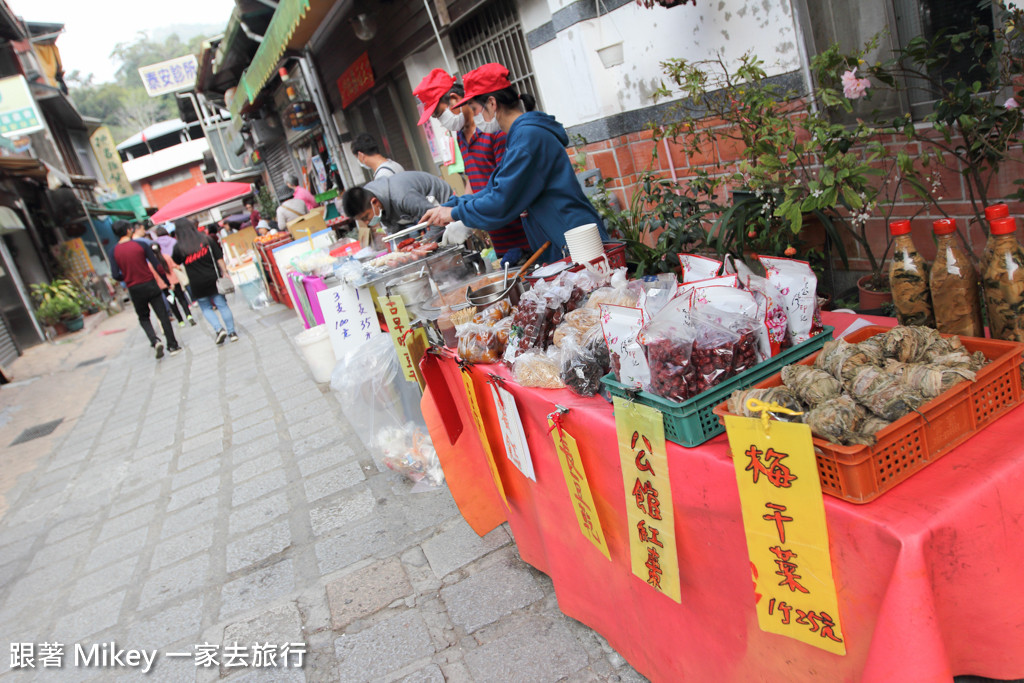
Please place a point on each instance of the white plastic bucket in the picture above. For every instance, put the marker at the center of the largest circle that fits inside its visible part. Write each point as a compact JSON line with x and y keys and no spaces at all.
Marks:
{"x":316,"y":347}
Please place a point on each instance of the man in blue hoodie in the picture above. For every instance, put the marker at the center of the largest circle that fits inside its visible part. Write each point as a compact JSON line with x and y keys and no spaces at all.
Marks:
{"x":535,"y":176}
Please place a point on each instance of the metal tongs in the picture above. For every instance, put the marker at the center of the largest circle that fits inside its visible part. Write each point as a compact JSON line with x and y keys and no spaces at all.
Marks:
{"x":407,"y":231}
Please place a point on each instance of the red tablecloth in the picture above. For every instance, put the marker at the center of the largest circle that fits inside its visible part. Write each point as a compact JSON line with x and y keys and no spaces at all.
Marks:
{"x":928,"y":575}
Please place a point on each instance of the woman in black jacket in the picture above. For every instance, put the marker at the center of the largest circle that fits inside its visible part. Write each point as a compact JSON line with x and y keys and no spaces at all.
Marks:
{"x":204,"y":263}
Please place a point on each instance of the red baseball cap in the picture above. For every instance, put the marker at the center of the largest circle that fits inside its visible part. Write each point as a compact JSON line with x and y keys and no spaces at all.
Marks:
{"x":487,"y":79}
{"x":431,"y":89}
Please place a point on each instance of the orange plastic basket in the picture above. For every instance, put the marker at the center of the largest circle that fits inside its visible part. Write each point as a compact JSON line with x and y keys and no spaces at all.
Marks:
{"x":862,"y":473}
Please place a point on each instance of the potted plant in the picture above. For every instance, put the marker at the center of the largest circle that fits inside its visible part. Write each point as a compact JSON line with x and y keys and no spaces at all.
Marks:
{"x":59,"y":302}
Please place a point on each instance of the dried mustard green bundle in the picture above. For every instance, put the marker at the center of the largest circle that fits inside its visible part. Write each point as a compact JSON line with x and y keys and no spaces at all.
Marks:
{"x":910,"y":344}
{"x":737,"y":403}
{"x":842,"y":359}
{"x":811,"y":385}
{"x":837,"y":421}
{"x":873,"y":424}
{"x":883,"y":394}
{"x":928,"y":379}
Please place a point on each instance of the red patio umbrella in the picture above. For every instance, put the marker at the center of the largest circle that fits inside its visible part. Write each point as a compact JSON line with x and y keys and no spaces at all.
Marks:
{"x":200,"y":198}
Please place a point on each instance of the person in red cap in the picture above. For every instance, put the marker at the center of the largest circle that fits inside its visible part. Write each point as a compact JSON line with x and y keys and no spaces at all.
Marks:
{"x":534,"y":176}
{"x":482,"y":144}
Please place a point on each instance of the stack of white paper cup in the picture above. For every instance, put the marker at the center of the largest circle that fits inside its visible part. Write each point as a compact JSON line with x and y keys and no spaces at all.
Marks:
{"x":584,"y":243}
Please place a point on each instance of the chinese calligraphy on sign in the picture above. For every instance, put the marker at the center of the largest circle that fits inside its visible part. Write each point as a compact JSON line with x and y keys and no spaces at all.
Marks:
{"x":410,"y":343}
{"x":349,"y":316}
{"x":109,"y":162}
{"x":579,"y":488}
{"x":787,"y":539}
{"x":174,"y":74}
{"x":516,"y":449}
{"x":481,"y":430}
{"x":650,"y":521}
{"x":355,"y":80}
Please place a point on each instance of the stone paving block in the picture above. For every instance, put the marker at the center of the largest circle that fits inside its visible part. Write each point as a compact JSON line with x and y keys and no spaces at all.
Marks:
{"x":102,"y":581}
{"x":333,"y":481}
{"x":280,"y":625}
{"x":298,"y":430}
{"x":29,"y":587}
{"x":385,"y":647}
{"x":428,"y":674}
{"x":334,"y":454}
{"x":194,"y":492}
{"x":206,"y":469}
{"x":117,"y":527}
{"x":250,"y":468}
{"x":173,"y":582}
{"x":129,"y":498}
{"x":458,"y":545}
{"x":352,"y":506}
{"x":364,"y":592}
{"x":240,"y":454}
{"x":353,"y":544}
{"x":166,"y":627}
{"x":210,"y":419}
{"x":256,"y":588}
{"x":189,"y":517}
{"x":306,"y":443}
{"x":198,"y":454}
{"x":77,"y":626}
{"x":176,"y":548}
{"x":248,"y":434}
{"x":251,"y":417}
{"x":258,"y":486}
{"x":320,"y":410}
{"x":490,"y":594}
{"x":257,"y":514}
{"x":258,"y":545}
{"x":74,"y":546}
{"x":210,"y":436}
{"x":117,"y":549}
{"x":540,"y":651}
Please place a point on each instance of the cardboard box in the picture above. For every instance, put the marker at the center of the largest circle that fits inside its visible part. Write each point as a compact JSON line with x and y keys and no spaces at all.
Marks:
{"x":311,"y":223}
{"x":238,"y":243}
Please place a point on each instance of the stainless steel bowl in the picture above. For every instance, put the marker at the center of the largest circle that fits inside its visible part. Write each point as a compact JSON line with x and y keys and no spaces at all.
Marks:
{"x":496,"y":291}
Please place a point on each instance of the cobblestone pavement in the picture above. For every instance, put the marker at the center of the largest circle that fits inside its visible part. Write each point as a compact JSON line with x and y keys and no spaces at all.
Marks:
{"x":220,"y":497}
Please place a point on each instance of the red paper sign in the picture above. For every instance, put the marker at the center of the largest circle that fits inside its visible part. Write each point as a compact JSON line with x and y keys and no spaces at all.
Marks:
{"x":356,"y":79}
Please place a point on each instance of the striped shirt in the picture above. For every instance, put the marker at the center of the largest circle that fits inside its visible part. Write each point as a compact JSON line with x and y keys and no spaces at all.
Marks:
{"x":481,"y":156}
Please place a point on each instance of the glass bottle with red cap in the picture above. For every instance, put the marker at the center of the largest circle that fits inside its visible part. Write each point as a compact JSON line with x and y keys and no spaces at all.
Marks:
{"x":908,"y":279}
{"x":992,"y":213}
{"x":954,"y":285}
{"x":1003,"y":279}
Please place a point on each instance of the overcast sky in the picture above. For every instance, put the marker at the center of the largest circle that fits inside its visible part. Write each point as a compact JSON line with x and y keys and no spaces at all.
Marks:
{"x":93,"y":27}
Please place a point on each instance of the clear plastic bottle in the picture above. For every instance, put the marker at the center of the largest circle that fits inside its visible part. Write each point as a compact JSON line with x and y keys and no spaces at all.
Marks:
{"x":908,"y":279}
{"x":1004,"y":282}
{"x":954,"y":285}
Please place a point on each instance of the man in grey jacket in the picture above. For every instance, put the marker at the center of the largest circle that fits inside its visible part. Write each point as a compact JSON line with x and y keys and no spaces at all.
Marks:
{"x":397,"y":201}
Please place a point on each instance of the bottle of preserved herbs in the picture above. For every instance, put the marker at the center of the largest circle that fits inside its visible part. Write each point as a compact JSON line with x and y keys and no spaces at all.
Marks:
{"x":992,"y":213}
{"x":1004,"y":282}
{"x":954,"y":285}
{"x":908,"y":279}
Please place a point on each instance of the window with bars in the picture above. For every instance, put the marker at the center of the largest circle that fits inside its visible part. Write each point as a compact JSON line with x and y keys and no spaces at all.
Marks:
{"x":493,"y":34}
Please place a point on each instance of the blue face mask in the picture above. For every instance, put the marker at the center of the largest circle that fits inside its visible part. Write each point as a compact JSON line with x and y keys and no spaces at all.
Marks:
{"x":375,"y":221}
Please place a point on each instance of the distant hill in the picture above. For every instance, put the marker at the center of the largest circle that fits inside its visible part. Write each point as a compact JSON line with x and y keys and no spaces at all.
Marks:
{"x":185,"y":31}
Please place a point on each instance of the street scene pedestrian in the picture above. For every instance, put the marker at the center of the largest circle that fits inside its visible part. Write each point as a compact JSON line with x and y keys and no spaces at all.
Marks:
{"x":204,"y":262}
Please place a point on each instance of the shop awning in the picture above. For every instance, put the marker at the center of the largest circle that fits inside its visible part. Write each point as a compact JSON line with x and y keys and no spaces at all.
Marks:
{"x":23,"y":167}
{"x":201,"y":198}
{"x":287,"y":16}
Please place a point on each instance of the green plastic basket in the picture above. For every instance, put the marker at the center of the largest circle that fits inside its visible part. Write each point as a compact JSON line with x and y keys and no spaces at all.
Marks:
{"x":692,"y":422}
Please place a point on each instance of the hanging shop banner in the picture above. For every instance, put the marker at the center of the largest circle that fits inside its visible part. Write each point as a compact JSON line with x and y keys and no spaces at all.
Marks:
{"x":170,"y":76}
{"x":74,"y":258}
{"x":579,"y":488}
{"x":649,"y":510}
{"x":787,"y":539}
{"x":19,"y":114}
{"x":109,"y":162}
{"x":407,"y":340}
{"x":481,"y":431}
{"x":349,"y":316}
{"x":516,"y":449}
{"x":355,"y":80}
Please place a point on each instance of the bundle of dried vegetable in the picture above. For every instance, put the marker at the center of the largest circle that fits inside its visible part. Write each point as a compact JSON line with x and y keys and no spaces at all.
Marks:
{"x":781,"y":395}
{"x":811,"y":385}
{"x":883,"y":394}
{"x":842,"y":359}
{"x":838,"y":421}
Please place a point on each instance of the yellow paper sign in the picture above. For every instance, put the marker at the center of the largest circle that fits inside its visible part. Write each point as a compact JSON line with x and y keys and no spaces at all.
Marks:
{"x":397,"y":319}
{"x":649,"y":511}
{"x":478,"y":421}
{"x":579,"y":489}
{"x":787,"y":539}
{"x":109,"y":162}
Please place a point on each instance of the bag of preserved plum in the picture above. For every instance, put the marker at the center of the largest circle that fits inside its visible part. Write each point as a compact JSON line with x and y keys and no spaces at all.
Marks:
{"x":668,"y":342}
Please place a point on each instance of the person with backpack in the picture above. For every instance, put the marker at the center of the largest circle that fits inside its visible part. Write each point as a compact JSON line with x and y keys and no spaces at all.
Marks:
{"x":204,"y":263}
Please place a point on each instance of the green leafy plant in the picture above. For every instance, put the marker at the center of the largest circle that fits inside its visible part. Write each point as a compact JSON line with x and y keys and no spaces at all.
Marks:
{"x":58,"y":289}
{"x":56,"y":309}
{"x":267,"y":203}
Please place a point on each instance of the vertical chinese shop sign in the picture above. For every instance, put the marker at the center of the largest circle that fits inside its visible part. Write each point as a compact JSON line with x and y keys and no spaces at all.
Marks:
{"x":481,"y":430}
{"x":787,"y":539}
{"x":649,"y":511}
{"x":405,"y":338}
{"x":579,"y":488}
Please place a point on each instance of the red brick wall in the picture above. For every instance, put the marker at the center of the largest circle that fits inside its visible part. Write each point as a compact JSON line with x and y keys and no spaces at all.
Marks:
{"x":622,"y":160}
{"x":159,"y":196}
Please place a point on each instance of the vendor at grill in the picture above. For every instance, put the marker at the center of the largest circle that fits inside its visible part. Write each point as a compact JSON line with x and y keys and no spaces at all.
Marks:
{"x":397,"y":201}
{"x":535,"y":175}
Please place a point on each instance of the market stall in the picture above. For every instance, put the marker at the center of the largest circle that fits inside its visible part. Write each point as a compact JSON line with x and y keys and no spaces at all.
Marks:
{"x":904,"y":431}
{"x":926,"y":574}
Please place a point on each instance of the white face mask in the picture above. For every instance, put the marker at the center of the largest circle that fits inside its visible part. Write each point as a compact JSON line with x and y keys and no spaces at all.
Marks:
{"x":451,"y":121}
{"x":486,"y":126}
{"x":364,"y":166}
